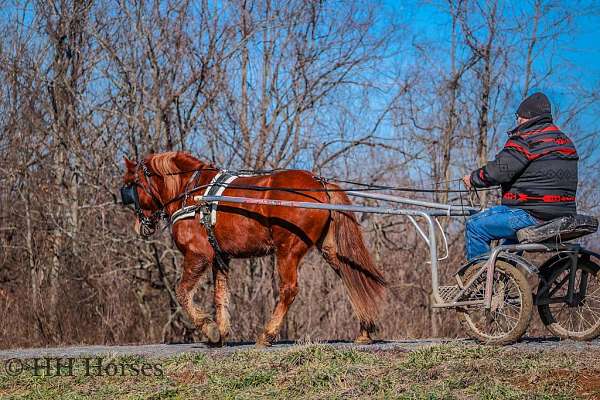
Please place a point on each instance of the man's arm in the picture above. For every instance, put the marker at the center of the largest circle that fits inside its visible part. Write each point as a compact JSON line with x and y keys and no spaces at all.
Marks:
{"x":507,"y":165}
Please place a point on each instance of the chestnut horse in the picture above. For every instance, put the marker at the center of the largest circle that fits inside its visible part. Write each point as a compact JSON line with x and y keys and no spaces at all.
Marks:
{"x":247,"y":230}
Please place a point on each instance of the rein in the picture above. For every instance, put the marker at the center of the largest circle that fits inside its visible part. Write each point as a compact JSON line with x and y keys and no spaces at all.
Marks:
{"x":129,"y":194}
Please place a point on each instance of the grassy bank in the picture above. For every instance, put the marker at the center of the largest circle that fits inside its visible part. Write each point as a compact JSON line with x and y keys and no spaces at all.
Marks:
{"x":323,"y":372}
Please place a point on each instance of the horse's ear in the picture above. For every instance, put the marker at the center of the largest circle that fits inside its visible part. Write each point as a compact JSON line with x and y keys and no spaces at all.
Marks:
{"x":128,"y":163}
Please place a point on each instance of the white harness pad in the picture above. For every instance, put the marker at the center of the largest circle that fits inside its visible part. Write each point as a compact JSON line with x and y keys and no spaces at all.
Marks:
{"x":219,"y":191}
{"x":216,"y":187}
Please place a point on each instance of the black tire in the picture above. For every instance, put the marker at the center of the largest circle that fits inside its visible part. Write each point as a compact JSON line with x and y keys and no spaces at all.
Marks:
{"x":579,"y":322}
{"x":512,"y":305}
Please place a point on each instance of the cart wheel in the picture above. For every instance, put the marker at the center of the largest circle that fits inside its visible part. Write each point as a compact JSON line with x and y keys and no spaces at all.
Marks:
{"x":512,"y":305}
{"x":581,"y":319}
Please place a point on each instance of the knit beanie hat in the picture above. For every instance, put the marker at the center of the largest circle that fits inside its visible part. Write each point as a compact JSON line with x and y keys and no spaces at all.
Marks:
{"x":534,"y":106}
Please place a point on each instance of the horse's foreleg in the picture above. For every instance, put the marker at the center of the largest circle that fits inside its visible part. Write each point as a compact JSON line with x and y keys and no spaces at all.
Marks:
{"x":193,"y":269}
{"x":287,"y":267}
{"x":222,"y":302}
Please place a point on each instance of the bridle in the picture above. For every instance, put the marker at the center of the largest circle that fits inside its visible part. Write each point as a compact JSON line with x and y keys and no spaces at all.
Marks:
{"x":129,"y":195}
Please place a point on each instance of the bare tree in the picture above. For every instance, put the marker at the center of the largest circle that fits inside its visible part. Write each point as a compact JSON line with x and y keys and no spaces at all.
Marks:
{"x":341,"y":89}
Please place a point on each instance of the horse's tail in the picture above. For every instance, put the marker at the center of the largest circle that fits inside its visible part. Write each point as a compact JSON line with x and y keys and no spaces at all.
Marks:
{"x":345,"y":250}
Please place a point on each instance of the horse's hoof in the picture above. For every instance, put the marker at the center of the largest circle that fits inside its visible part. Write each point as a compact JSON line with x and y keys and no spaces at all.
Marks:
{"x":363,"y":340}
{"x":212,"y":333}
{"x":263,"y":344}
{"x":222,"y":340}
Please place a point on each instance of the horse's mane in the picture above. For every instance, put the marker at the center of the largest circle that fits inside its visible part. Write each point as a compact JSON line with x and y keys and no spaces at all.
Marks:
{"x":171,"y":166}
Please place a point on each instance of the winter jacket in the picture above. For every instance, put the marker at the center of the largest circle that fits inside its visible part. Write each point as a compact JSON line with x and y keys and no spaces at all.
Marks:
{"x":537,"y":170}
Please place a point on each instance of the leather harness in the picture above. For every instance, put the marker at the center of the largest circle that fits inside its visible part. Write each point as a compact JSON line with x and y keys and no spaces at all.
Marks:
{"x":208,"y":212}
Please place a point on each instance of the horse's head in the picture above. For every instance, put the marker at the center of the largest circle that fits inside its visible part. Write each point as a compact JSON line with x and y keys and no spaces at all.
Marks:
{"x":139,"y":191}
{"x":153,"y":184}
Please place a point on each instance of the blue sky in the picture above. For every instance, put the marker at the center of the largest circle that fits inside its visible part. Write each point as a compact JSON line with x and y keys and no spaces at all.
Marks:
{"x":576,"y":56}
{"x":581,"y":48}
{"x":579,"y":52}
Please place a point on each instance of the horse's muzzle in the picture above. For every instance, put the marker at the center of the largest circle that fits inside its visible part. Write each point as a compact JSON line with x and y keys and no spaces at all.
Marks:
{"x":144,"y":230}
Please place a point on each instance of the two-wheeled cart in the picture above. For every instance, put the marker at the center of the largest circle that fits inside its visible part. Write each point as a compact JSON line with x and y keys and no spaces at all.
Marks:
{"x":493,"y":293}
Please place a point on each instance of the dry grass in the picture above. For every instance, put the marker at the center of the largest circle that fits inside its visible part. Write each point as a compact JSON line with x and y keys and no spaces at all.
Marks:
{"x":324,"y":372}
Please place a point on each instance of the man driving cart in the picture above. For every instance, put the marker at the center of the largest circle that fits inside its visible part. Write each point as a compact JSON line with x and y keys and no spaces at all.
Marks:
{"x":537,"y":171}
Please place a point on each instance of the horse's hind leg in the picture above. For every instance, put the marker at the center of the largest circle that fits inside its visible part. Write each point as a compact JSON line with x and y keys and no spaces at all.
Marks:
{"x":364,"y":336}
{"x":222,"y":302}
{"x":193,"y":269}
{"x":288,"y":258}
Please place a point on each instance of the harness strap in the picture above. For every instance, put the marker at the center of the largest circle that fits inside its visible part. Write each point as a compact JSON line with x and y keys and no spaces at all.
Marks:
{"x":216,"y":188}
{"x":191,"y":183}
{"x":220,"y":256}
{"x":184,"y":213}
{"x":208,"y":213}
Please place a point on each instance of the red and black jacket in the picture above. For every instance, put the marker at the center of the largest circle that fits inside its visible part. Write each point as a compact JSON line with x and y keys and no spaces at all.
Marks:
{"x":537,"y":169}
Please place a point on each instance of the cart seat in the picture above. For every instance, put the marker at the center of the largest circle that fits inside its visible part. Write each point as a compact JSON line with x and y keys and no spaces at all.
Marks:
{"x":559,"y":229}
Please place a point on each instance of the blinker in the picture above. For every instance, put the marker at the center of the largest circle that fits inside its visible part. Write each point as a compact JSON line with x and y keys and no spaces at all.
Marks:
{"x":129,"y":195}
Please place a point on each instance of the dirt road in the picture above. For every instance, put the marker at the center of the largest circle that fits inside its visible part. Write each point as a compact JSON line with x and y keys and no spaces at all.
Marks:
{"x":166,"y":350}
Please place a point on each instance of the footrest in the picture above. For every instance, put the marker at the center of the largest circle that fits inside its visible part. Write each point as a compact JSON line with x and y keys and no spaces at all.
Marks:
{"x":448,"y":293}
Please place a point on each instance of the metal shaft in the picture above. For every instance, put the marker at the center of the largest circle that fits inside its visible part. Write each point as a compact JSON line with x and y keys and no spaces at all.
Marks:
{"x":317,"y":206}
{"x":404,"y":200}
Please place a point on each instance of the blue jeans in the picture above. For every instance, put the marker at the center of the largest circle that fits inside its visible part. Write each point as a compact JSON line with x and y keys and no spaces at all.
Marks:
{"x":499,"y":222}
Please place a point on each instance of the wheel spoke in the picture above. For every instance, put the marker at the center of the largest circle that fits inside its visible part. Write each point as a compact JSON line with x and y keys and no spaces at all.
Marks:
{"x":595,"y":291}
{"x":508,"y":303}
{"x":593,"y":313}
{"x":585,"y":324}
{"x":581,"y":318}
{"x":507,"y":316}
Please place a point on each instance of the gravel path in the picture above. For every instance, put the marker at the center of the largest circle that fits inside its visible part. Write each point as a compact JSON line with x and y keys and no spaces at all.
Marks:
{"x":166,"y":350}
